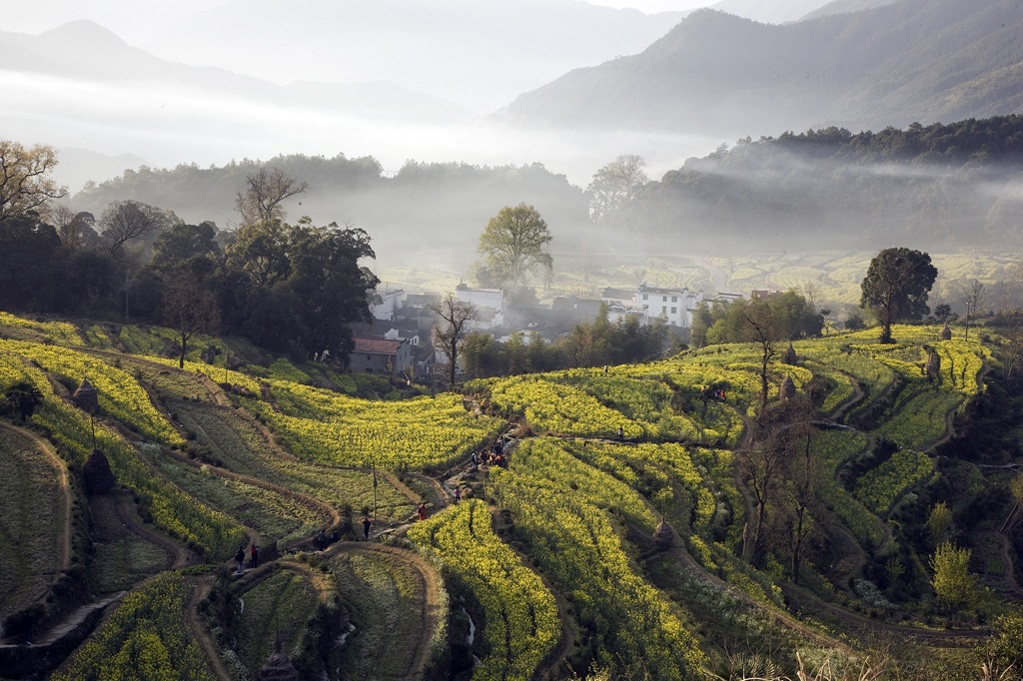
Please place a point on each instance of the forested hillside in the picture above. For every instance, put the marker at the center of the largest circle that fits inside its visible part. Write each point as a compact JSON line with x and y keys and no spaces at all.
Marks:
{"x":643,"y":521}
{"x":947,"y":186}
{"x":423,"y":207}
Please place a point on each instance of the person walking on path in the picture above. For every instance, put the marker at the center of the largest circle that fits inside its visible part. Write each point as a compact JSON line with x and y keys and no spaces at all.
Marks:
{"x":422,"y":511}
{"x":458,"y":494}
{"x":240,"y":559}
{"x":254,"y":553}
{"x":365,"y":527}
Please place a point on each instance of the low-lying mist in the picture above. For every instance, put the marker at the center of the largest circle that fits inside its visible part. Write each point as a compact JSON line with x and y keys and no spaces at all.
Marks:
{"x":172,"y":126}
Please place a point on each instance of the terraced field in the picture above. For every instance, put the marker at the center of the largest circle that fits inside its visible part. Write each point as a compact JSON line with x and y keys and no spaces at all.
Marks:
{"x":35,"y":518}
{"x":615,"y":534}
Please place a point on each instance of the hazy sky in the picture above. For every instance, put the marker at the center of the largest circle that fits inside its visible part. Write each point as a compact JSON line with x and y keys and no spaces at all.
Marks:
{"x":142,"y":19}
{"x":651,"y":6}
{"x":99,"y":116}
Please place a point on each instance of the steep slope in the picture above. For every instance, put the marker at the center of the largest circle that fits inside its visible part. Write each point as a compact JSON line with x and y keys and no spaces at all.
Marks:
{"x":715,"y":73}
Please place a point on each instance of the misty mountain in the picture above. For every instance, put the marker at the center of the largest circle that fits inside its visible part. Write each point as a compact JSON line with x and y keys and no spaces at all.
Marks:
{"x":913,"y":60}
{"x":774,"y":12}
{"x":846,"y":7}
{"x":87,"y":52}
{"x":476,"y":52}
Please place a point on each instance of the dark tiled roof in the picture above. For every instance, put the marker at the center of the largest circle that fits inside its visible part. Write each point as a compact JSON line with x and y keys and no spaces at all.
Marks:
{"x":376,"y":346}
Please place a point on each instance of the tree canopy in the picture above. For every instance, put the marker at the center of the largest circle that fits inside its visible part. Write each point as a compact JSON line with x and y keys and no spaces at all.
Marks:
{"x":25,"y":182}
{"x":289,"y":288}
{"x":303,"y":284}
{"x":896,"y":287}
{"x":790,"y":314}
{"x":613,"y":185}
{"x":514,"y":246}
{"x":953,"y":583}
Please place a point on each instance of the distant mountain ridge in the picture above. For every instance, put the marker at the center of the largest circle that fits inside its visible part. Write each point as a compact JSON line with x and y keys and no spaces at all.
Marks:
{"x":845,"y":7}
{"x":87,"y":51}
{"x":774,"y":12}
{"x":479,"y":53}
{"x":913,"y":60}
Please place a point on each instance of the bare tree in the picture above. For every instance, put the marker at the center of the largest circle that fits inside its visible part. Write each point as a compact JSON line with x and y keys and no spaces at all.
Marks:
{"x":782,"y":474}
{"x":190,"y":309}
{"x":74,"y":229}
{"x":804,"y":477}
{"x":762,"y":329}
{"x":267,"y":189}
{"x":450,"y":336}
{"x":973,"y":295}
{"x":124,"y":221}
{"x":759,"y":467}
{"x":812,"y":291}
{"x":25,"y":182}
{"x":1012,"y":353}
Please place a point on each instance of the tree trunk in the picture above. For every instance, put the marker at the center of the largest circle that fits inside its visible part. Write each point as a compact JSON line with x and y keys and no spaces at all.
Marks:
{"x":797,"y":550}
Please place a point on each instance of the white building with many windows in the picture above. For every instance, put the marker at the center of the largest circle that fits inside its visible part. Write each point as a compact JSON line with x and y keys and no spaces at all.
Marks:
{"x":674,"y":305}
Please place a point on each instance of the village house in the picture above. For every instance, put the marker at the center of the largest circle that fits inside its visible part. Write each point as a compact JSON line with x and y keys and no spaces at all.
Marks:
{"x":489,"y":304}
{"x":386,"y":304}
{"x":381,"y":356}
{"x":673,"y":305}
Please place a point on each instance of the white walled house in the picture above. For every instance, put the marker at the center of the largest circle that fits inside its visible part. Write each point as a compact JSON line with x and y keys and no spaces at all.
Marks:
{"x":674,"y":305}
{"x":650,"y":303}
{"x":489,"y":304}
{"x":385,"y":304}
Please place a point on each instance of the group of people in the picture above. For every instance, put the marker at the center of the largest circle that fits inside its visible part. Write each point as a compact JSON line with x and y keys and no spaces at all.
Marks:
{"x":711,"y":393}
{"x":239,"y":558}
{"x":323,"y":540}
{"x":490,"y":456}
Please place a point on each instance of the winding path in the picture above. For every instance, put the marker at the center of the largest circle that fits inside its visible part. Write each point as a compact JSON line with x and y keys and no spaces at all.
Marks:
{"x":193,"y":621}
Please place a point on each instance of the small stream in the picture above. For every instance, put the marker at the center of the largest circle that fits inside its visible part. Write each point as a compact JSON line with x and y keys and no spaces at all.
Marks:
{"x":471,"y":635}
{"x":344,"y":637}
